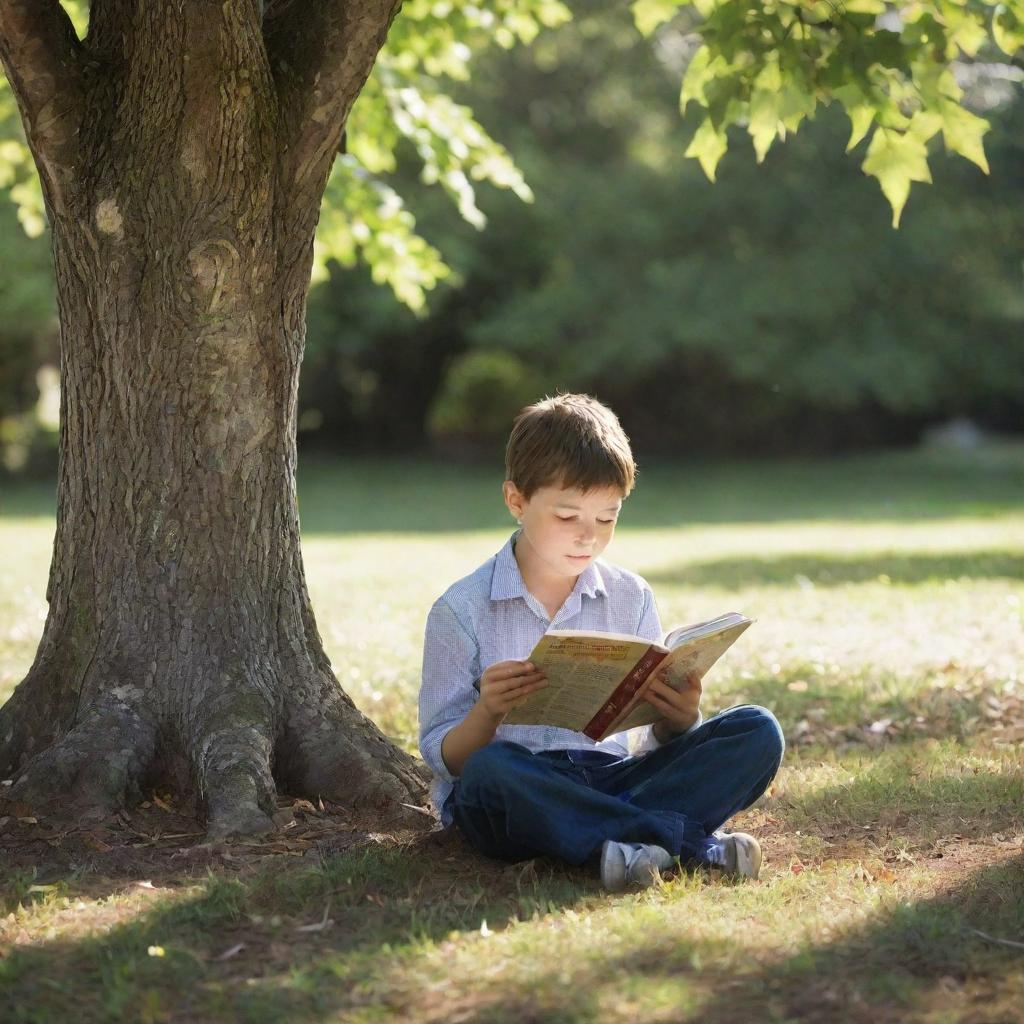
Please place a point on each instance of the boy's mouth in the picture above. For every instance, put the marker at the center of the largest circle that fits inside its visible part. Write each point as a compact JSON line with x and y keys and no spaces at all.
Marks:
{"x":579,"y":558}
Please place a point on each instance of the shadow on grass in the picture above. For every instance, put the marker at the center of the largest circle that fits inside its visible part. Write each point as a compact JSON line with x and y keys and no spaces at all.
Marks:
{"x":383,"y":903}
{"x":873,"y":710}
{"x":827,"y":571}
{"x":916,"y":793}
{"x":393,"y":909}
{"x":914,"y":961}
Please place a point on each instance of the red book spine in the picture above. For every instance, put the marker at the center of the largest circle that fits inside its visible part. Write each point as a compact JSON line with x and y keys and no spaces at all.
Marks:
{"x":623,"y":693}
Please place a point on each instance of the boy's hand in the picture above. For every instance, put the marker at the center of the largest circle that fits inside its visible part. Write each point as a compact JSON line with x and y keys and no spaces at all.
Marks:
{"x":679,"y":708}
{"x":506,"y":684}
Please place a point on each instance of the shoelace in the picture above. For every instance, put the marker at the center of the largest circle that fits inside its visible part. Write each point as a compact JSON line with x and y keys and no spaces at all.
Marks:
{"x":717,"y":853}
{"x":632,"y":857}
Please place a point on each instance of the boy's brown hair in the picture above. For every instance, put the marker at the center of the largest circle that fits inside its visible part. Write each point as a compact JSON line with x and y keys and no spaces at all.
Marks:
{"x":572,"y":441}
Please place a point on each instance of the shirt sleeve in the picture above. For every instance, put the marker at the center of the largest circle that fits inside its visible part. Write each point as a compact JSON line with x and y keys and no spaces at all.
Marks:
{"x":650,"y":622}
{"x":451,"y":664}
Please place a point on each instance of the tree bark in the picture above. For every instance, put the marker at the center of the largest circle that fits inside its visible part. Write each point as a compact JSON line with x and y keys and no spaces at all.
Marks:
{"x":180,"y":640}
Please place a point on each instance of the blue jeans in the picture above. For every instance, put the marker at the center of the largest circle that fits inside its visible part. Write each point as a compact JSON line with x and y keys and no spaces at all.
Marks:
{"x":514,"y":804}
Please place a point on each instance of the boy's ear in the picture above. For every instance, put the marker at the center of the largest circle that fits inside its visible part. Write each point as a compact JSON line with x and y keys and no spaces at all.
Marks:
{"x":514,"y":499}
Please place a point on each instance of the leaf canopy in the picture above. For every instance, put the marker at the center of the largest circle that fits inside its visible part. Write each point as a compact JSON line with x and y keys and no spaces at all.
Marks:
{"x":767,"y":66}
{"x":764,"y":66}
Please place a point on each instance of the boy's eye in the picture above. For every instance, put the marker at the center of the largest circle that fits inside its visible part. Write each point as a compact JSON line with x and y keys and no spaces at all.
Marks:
{"x":606,"y":522}
{"x":566,"y":519}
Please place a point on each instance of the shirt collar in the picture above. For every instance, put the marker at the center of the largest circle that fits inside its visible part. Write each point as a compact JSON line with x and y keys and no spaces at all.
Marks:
{"x":507,"y":580}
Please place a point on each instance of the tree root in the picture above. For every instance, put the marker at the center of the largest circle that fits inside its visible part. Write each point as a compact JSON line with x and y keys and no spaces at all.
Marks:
{"x":231,"y":749}
{"x":236,"y":785}
{"x":332,"y":750}
{"x":95,"y":768}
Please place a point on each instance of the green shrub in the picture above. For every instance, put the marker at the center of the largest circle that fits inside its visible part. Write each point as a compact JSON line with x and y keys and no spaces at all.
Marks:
{"x":479,"y":397}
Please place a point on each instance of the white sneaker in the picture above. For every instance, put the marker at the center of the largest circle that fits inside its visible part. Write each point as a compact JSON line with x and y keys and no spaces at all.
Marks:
{"x":736,"y":853}
{"x":625,"y":864}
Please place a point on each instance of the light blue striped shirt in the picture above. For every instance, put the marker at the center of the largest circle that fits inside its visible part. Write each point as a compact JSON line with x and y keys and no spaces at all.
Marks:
{"x":490,"y":616}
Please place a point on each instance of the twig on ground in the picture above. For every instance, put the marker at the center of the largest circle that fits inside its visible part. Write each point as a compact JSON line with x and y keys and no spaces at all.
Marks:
{"x":229,"y":953}
{"x":323,"y":923}
{"x":997,"y":941}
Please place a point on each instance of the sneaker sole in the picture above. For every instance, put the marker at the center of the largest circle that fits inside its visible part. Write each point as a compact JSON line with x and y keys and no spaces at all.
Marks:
{"x":609,"y":852}
{"x":748,"y":857}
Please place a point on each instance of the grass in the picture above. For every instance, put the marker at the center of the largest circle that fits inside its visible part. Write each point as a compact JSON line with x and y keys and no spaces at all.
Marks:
{"x":888,"y":593}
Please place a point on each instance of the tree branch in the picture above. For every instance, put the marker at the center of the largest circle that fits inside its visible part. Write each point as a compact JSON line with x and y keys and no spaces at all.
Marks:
{"x":110,"y":27}
{"x":321,"y":53}
{"x":41,"y":56}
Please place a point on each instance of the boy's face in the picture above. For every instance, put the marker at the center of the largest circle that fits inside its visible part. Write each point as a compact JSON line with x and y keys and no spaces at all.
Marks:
{"x":564,"y":529}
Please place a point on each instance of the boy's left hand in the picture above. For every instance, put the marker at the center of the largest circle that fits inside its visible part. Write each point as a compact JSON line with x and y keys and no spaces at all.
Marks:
{"x":679,"y":708}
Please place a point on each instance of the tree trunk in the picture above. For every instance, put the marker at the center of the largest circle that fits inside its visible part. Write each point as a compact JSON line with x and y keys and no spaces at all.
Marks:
{"x":180,"y":640}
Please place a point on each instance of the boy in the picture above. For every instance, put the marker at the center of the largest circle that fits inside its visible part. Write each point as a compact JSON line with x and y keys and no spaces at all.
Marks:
{"x":517,"y":792}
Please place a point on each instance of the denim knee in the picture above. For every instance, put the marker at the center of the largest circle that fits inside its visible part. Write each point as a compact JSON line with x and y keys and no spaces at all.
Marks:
{"x":488,"y":765}
{"x":766,"y":728}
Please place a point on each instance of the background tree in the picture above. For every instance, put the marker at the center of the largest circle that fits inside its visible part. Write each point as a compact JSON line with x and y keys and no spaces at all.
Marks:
{"x":183,"y":152}
{"x":774,"y":310}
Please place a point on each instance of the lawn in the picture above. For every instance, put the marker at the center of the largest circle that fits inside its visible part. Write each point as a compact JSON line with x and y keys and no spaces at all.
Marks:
{"x":889,"y":641}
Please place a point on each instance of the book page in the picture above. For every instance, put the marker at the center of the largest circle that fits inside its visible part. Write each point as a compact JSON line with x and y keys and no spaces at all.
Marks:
{"x":683,"y":634}
{"x":698,"y":654}
{"x":583,"y":670}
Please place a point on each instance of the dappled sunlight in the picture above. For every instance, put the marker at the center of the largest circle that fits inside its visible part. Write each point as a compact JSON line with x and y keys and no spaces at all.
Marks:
{"x":430,"y":930}
{"x":159,"y":941}
{"x":919,"y":791}
{"x":889,"y":647}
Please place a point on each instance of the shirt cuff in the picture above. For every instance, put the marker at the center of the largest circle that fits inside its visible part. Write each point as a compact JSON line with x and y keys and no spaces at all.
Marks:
{"x":693,"y":728}
{"x":430,"y":748}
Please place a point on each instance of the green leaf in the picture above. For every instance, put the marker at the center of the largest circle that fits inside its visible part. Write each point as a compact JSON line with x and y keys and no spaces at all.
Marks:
{"x":861,"y":118}
{"x":707,"y":146}
{"x":698,"y":72}
{"x":896,"y":160}
{"x":889,"y":115}
{"x":649,"y":14}
{"x":861,"y":6}
{"x":962,"y":132}
{"x":858,"y":108}
{"x":764,"y":121}
{"x":1007,"y":31}
{"x":769,"y":77}
{"x":924,"y":124}
{"x":27,"y":195}
{"x":363,"y":217}
{"x":966,"y":31}
{"x":796,"y":102}
{"x":552,"y":13}
{"x":935,"y":81}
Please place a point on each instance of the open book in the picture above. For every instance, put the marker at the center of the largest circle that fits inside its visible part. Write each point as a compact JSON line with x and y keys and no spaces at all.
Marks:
{"x":597,"y":681}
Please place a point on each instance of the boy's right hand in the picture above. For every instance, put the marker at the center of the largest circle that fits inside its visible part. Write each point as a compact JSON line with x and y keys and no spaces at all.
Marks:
{"x":506,"y":684}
